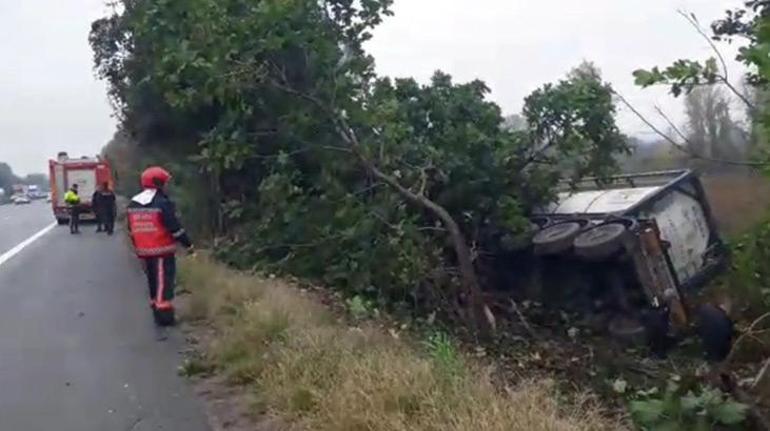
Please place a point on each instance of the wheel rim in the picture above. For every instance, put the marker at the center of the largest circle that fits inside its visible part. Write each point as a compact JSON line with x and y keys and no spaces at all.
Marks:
{"x":557,"y":232}
{"x":600,"y":235}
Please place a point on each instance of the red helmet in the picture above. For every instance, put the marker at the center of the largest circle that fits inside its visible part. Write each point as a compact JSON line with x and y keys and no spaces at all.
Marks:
{"x":155,"y":177}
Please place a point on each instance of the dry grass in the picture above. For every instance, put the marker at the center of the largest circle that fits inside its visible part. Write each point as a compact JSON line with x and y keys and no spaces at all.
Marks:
{"x":318,"y":374}
{"x":739,"y":201}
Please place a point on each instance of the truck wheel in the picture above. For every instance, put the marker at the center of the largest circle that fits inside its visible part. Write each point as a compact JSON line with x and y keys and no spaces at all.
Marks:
{"x":62,"y":221}
{"x":557,"y":238}
{"x":601,"y":242}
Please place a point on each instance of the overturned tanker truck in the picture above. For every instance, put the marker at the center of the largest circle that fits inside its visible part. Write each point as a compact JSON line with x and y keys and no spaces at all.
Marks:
{"x":632,"y":246}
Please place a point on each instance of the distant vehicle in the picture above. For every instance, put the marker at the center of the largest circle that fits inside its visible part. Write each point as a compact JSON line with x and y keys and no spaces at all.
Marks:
{"x":649,"y":240}
{"x":34,"y":192}
{"x":20,"y":200}
{"x":87,"y":172}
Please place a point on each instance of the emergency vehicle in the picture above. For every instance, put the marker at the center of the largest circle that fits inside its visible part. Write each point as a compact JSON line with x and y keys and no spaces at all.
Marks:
{"x":87,"y":172}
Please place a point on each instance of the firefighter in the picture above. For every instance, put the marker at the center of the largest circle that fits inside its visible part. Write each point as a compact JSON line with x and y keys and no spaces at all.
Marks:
{"x":155,"y":232}
{"x":72,"y":199}
{"x":103,"y":202}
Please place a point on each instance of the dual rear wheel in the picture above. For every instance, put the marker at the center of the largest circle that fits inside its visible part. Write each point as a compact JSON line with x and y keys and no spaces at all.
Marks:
{"x":593,"y":243}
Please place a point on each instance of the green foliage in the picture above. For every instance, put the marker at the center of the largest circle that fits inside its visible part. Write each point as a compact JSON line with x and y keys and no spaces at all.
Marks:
{"x":7,"y":178}
{"x":750,"y":278}
{"x":682,"y":76}
{"x":574,"y":121}
{"x":359,"y":308}
{"x":677,"y":409}
{"x":447,"y":359}
{"x":250,"y":92}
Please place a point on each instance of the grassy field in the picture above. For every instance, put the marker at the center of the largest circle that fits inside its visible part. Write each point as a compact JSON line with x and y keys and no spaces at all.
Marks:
{"x":314,"y":370}
{"x":739,"y":201}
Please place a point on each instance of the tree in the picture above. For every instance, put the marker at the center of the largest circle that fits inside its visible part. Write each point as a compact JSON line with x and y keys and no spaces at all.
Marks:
{"x":710,"y":128}
{"x":36,"y":179}
{"x":573,"y":125}
{"x":7,"y":177}
{"x":323,"y":169}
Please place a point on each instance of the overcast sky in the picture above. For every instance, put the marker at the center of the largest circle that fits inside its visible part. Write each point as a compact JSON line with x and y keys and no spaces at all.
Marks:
{"x":50,"y":100}
{"x":518,"y":45}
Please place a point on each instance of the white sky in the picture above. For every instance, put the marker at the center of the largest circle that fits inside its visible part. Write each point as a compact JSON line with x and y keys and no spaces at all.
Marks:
{"x":50,"y":100}
{"x":518,"y":45}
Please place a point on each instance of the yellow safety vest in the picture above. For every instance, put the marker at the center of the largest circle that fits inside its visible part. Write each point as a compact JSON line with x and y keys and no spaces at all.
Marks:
{"x":71,"y":198}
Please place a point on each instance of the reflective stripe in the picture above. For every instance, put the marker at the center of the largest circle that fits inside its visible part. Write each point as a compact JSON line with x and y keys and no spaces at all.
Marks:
{"x":164,"y":305}
{"x":156,"y":251}
{"x":178,"y":233}
{"x":144,"y":210}
{"x":161,"y":283}
{"x":160,"y":302}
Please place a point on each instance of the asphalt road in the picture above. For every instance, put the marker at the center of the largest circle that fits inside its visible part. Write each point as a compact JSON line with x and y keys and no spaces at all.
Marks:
{"x":78,"y":350}
{"x":19,"y":222}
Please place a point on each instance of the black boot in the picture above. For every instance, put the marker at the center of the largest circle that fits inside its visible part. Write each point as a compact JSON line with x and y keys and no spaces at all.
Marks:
{"x":165,"y":317}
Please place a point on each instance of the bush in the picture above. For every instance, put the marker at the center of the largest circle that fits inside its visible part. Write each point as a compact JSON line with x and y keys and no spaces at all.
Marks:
{"x":679,"y":410}
{"x":749,"y":279}
{"x":321,"y":375}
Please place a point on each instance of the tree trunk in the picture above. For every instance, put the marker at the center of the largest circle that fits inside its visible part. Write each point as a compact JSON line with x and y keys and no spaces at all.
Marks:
{"x":470,"y":281}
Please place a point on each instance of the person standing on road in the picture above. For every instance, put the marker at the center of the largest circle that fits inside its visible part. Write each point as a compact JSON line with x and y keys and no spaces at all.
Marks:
{"x":104,"y":205}
{"x":72,"y":199}
{"x":155,"y":230}
{"x":96,"y":205}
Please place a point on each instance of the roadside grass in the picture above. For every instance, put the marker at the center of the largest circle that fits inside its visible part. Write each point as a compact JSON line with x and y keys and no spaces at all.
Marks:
{"x":315,"y":372}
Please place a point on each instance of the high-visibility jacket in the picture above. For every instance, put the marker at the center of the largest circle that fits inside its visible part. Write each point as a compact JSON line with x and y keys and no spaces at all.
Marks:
{"x":153,"y":225}
{"x":71,"y":198}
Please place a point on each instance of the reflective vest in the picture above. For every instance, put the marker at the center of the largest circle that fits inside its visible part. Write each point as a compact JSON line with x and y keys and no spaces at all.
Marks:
{"x":149,"y":235}
{"x":71,"y":198}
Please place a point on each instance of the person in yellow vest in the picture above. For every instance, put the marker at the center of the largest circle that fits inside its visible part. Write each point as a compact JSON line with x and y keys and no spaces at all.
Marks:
{"x":72,"y":199}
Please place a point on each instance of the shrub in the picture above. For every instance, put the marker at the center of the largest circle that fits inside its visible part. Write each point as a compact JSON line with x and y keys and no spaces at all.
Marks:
{"x":749,"y":279}
{"x":679,"y":410}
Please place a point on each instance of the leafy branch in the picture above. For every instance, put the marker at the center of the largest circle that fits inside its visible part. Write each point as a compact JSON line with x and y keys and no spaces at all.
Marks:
{"x":685,"y":75}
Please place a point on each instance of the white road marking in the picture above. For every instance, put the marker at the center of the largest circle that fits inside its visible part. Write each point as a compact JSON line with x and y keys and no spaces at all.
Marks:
{"x":5,"y":257}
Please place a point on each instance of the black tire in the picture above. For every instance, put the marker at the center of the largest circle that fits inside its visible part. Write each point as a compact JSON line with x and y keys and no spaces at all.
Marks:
{"x":62,"y":221}
{"x":557,"y":238}
{"x":601,"y":242}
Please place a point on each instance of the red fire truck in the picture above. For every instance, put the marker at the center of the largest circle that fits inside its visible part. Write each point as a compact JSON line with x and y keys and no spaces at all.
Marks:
{"x":87,"y":172}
